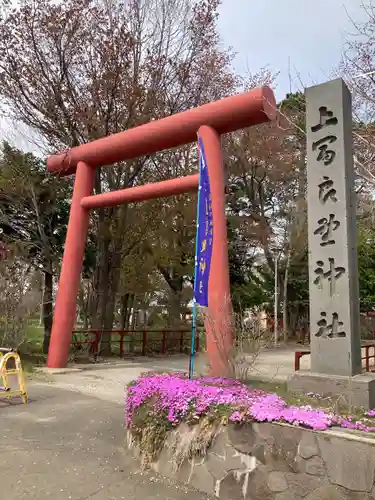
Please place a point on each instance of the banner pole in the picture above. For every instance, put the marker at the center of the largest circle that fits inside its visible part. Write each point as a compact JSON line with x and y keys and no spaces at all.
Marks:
{"x":194,"y":312}
{"x":193,"y":335}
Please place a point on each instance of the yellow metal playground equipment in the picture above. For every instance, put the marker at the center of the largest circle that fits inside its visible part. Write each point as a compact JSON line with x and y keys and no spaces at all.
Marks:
{"x":10,"y":365}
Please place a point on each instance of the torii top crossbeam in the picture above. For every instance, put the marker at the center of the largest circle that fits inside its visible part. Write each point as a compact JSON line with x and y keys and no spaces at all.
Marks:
{"x":227,"y":115}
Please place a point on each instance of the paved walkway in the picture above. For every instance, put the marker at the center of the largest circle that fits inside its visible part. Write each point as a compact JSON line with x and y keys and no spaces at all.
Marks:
{"x":68,"y":442}
{"x":278,"y":363}
{"x":107,"y":380}
{"x":67,"y":445}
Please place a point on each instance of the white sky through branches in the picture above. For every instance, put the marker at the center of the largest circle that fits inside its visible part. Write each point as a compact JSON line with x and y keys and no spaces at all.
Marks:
{"x":306,"y":36}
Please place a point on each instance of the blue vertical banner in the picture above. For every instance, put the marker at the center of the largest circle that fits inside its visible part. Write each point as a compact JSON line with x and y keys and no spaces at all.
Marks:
{"x":203,"y":247}
{"x":204,"y":238}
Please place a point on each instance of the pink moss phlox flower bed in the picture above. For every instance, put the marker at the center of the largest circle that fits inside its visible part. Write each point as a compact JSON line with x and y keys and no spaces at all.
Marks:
{"x":177,"y":397}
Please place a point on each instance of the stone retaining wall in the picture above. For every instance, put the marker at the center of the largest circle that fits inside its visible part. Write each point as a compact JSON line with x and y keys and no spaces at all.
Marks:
{"x":274,"y":462}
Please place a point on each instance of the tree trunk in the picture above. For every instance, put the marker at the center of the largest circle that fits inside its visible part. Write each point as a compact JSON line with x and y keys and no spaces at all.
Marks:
{"x":83,"y":302}
{"x":86,"y":317}
{"x":124,"y":311}
{"x":108,"y":315}
{"x":145,"y":318}
{"x":41,"y":308}
{"x":175,"y":283}
{"x":133,"y":325}
{"x":105,"y":345}
{"x":101,"y":285}
{"x":285,"y":294}
{"x":174,"y":313}
{"x":293,"y":322}
{"x":113,"y":276}
{"x":47,"y":308}
{"x":114,"y":281}
{"x":132,"y":315}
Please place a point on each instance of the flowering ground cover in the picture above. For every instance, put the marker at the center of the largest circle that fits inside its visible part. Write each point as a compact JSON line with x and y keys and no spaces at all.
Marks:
{"x":170,"y":399}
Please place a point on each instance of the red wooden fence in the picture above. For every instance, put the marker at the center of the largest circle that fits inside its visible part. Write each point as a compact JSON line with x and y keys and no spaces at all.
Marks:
{"x":368,"y":356}
{"x":93,"y":337}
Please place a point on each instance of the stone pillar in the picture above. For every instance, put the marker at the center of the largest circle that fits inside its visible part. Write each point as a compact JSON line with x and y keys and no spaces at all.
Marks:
{"x":333,"y":274}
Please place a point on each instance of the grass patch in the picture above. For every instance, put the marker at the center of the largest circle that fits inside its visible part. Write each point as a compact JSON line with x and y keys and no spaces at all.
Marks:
{"x":33,"y":339}
{"x":32,"y":360}
{"x":30,"y":349}
{"x":149,"y":431}
{"x":279,"y":387}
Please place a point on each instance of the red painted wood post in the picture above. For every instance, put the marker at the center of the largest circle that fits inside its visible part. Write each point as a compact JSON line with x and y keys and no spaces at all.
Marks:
{"x":297,"y":357}
{"x":144,"y":342}
{"x":164,"y":342}
{"x":96,"y":343}
{"x":66,"y":300}
{"x":220,"y":332}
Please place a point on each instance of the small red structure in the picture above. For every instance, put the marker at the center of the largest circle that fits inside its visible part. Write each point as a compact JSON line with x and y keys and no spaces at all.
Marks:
{"x":209,"y":122}
{"x":180,"y":338}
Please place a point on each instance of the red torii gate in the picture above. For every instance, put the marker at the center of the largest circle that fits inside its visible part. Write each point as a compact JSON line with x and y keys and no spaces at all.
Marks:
{"x":209,"y":122}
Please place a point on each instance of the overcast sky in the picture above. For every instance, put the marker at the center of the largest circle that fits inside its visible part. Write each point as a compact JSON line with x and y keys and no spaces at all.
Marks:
{"x":308,"y":33}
